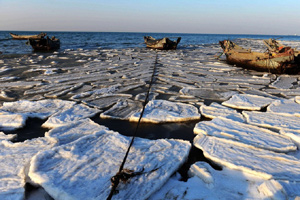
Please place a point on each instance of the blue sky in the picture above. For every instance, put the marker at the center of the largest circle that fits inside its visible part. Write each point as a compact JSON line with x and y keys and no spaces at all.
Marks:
{"x":177,"y":16}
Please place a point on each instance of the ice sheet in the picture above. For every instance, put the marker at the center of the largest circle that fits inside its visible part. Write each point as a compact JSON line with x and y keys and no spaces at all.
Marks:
{"x":217,"y":110}
{"x":248,"y":102}
{"x":76,"y":113}
{"x":235,"y":155}
{"x":82,"y":169}
{"x":246,"y":134}
{"x":161,"y":111}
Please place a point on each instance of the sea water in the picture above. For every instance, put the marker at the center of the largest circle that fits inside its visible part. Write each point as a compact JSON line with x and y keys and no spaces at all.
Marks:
{"x":119,"y":40}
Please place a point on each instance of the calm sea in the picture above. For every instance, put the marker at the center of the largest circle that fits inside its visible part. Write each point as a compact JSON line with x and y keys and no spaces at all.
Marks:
{"x":107,"y":40}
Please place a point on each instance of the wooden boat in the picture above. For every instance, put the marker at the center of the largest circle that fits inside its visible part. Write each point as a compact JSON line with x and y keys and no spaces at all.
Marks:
{"x":162,"y":44}
{"x":26,"y":37}
{"x":45,"y":44}
{"x":274,"y":62}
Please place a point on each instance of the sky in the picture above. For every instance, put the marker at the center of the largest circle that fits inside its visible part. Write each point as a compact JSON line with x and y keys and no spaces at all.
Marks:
{"x":275,"y":17}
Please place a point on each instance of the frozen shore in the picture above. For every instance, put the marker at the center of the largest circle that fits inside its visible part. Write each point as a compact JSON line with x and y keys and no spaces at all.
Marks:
{"x":244,"y":122}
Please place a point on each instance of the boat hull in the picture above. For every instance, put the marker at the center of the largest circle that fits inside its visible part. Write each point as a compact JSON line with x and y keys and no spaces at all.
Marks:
{"x":279,"y":63}
{"x":161,"y":44}
{"x":26,"y":37}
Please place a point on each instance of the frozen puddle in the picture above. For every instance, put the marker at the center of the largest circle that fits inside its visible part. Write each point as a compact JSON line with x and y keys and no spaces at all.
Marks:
{"x":160,"y":111}
{"x":260,"y":162}
{"x":82,"y":169}
{"x":245,"y":133}
{"x":248,"y":102}
{"x":217,"y":110}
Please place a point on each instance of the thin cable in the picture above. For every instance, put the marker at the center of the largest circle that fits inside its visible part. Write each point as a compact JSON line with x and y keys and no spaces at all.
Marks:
{"x":116,"y":179}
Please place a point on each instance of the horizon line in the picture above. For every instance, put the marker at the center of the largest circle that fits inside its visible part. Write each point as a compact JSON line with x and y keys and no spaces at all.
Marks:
{"x":151,"y":32}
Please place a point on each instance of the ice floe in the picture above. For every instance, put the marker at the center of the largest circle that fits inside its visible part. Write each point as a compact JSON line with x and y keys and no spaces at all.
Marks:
{"x":161,"y":111}
{"x":11,"y":121}
{"x":217,"y":110}
{"x":246,"y":134}
{"x":276,"y":189}
{"x":122,"y":110}
{"x":248,"y":102}
{"x":285,"y":107}
{"x":14,"y":160}
{"x":271,"y":120}
{"x":260,"y":162}
{"x":210,"y":184}
{"x":8,"y":137}
{"x":64,"y":117}
{"x":71,"y":132}
{"x":39,"y":109}
{"x":83,"y":169}
{"x":283,"y":82}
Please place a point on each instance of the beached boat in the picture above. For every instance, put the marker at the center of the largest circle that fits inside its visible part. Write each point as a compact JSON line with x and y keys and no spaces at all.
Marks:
{"x":162,"y":44}
{"x":45,"y":44}
{"x":274,"y":62}
{"x":26,"y":37}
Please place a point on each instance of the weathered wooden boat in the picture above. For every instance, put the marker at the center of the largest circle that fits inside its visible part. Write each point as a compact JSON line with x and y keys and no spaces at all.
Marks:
{"x":45,"y":44}
{"x":273,"y":62}
{"x":26,"y":37}
{"x":162,"y":44}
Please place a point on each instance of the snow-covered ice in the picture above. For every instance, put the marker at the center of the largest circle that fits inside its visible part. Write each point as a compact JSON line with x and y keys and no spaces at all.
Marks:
{"x":217,"y":110}
{"x":246,"y":134}
{"x":76,"y":113}
{"x":11,"y":121}
{"x":39,"y":109}
{"x":161,"y":111}
{"x":72,"y":131}
{"x":285,"y":107}
{"x":14,"y":160}
{"x":248,"y":102}
{"x":271,"y":120}
{"x":260,"y":162}
{"x":83,"y":169}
